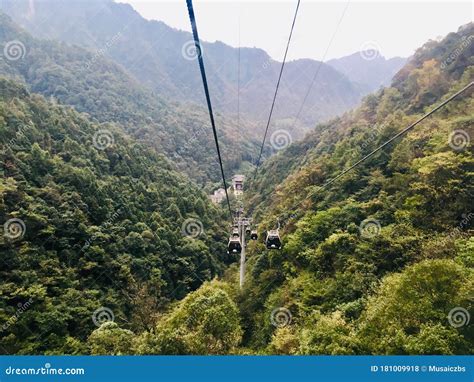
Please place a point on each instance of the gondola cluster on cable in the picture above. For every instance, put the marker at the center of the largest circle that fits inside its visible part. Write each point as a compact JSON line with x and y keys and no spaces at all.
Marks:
{"x":272,"y":238}
{"x":241,"y":226}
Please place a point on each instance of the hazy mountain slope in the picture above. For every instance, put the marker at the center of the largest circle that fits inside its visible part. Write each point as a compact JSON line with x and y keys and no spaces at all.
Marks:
{"x":159,"y":57}
{"x":376,"y":263}
{"x":102,"y":223}
{"x":369,"y":69}
{"x":409,"y":93}
{"x":94,"y":84}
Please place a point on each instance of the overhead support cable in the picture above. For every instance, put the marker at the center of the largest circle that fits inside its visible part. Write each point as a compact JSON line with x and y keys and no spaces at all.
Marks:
{"x":197,"y":45}
{"x":318,"y":69}
{"x":373,"y":152}
{"x":276,"y":89}
{"x":404,"y":131}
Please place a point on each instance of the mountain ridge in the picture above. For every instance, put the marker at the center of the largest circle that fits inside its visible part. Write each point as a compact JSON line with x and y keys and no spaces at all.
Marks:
{"x":97,"y":85}
{"x":95,"y":219}
{"x":368,"y":69}
{"x":116,"y":250}
{"x":160,"y":57}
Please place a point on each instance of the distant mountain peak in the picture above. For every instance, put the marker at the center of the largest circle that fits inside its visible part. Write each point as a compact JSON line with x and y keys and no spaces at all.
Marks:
{"x":368,"y":68}
{"x":156,"y":55}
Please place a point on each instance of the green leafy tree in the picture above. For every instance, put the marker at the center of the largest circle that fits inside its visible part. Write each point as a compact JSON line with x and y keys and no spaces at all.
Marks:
{"x":328,"y":334}
{"x":204,"y":322}
{"x":404,"y":315}
{"x":110,"y":339}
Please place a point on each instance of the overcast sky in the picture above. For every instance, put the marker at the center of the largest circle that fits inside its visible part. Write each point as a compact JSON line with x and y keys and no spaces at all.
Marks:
{"x":395,"y":27}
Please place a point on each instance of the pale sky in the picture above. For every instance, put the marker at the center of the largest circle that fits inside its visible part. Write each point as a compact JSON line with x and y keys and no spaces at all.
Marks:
{"x":395,"y":27}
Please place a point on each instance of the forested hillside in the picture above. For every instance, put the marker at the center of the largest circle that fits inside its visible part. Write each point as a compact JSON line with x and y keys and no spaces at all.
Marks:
{"x":110,"y":245}
{"x":381,"y":260}
{"x":92,"y":219}
{"x":421,"y":83}
{"x":93,"y":84}
{"x":160,"y":56}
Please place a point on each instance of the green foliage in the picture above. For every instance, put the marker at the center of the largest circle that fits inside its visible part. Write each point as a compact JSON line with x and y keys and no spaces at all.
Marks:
{"x":204,"y":322}
{"x":391,"y":291}
{"x":284,"y":341}
{"x":103,"y":89}
{"x":329,"y":335}
{"x":110,"y":339}
{"x":435,"y":339}
{"x":102,"y":227}
{"x":404,"y":314}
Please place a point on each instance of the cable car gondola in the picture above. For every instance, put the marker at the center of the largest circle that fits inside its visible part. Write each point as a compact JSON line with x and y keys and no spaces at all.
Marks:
{"x":273,"y":239}
{"x":254,"y":234}
{"x":234,"y":245}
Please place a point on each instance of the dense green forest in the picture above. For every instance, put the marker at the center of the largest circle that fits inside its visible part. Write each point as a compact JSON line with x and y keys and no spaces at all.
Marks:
{"x":108,"y":248}
{"x":374,"y":263}
{"x":105,"y":222}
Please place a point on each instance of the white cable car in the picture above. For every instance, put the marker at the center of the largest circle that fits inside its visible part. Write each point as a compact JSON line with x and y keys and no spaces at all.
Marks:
{"x":234,"y":245}
{"x":273,"y":240}
{"x":248,"y":231}
{"x":254,"y":234}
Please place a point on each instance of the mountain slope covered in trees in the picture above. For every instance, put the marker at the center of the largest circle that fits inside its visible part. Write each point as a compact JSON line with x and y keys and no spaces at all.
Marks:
{"x":160,"y":57}
{"x":422,"y":82}
{"x":108,"y":250}
{"x":103,"y":221}
{"x":95,"y":85}
{"x":379,"y":261}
